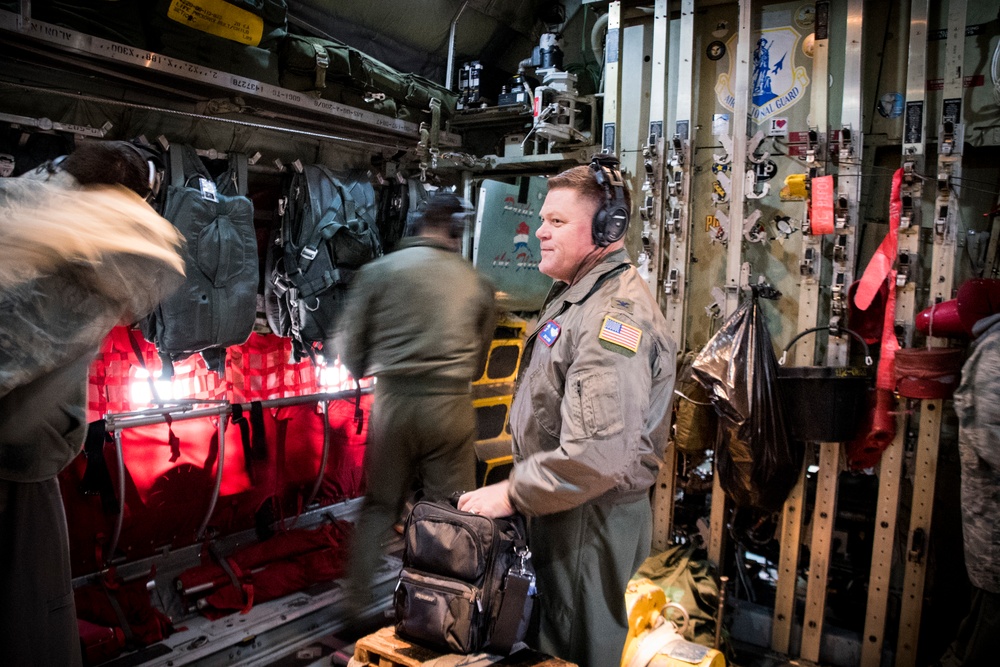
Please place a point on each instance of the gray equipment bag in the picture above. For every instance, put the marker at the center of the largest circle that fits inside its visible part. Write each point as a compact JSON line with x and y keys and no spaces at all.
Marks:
{"x":216,"y":306}
{"x":467,"y":582}
{"x":328,"y":231}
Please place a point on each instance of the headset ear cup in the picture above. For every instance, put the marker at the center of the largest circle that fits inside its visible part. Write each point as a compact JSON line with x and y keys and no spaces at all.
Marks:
{"x":616,"y":224}
{"x":611,"y":219}
{"x":598,"y":227}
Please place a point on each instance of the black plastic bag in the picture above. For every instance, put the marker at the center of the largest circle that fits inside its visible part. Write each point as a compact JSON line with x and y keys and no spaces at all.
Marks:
{"x":756,"y":464}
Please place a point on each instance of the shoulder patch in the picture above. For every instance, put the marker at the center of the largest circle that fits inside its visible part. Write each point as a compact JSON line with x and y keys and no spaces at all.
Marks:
{"x":621,"y":334}
{"x":550,"y":332}
{"x":626,"y":305}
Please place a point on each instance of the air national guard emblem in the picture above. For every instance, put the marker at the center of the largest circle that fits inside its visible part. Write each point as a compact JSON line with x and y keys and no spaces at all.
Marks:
{"x":549,"y":332}
{"x":776,"y":84}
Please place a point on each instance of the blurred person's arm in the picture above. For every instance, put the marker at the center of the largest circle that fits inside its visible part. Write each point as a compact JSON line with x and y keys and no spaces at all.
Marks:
{"x":352,"y":340}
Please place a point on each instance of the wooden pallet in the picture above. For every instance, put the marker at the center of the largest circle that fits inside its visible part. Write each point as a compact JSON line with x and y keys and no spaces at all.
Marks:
{"x":385,"y":649}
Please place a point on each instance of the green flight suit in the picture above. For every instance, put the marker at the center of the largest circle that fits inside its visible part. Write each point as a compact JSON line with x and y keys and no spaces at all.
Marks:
{"x":589,"y":422}
{"x":420,"y":319}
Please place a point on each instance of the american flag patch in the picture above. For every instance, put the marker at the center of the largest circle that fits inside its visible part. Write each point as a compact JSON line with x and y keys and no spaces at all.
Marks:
{"x":619,"y":333}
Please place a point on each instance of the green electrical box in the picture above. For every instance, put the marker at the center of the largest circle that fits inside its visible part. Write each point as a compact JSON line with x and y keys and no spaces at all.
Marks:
{"x":506,"y":250}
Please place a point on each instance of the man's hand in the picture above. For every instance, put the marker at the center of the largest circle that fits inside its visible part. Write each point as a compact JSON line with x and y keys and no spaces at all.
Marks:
{"x":491,"y":501}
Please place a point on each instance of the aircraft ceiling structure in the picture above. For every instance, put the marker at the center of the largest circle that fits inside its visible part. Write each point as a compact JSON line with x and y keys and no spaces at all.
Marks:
{"x":414,"y":36}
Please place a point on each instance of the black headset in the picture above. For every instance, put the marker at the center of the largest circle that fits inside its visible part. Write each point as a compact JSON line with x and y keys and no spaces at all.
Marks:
{"x":611,"y":219}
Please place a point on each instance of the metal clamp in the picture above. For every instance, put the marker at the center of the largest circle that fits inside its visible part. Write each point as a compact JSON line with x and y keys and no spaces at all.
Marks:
{"x":671,"y":284}
{"x":674,"y":221}
{"x":906,"y":212}
{"x":646,"y":210}
{"x":840,"y":212}
{"x":812,"y":146}
{"x":947,"y":142}
{"x":678,"y":151}
{"x":941,"y":221}
{"x":903,"y":268}
{"x":807,"y":267}
{"x":918,"y":545}
{"x":840,"y":249}
{"x":846,"y":147}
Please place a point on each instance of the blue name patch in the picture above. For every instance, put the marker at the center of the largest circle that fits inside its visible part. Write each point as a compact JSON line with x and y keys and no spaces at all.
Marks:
{"x":550,"y":332}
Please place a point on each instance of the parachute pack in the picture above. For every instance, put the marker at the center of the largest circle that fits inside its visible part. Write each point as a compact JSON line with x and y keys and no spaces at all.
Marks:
{"x":215,"y":306}
{"x":328,"y":230}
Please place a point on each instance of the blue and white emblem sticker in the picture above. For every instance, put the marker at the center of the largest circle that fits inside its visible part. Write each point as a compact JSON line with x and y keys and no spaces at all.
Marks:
{"x":550,"y":332}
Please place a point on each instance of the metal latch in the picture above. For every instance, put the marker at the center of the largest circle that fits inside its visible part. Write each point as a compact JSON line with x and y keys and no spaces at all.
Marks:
{"x":646,"y":210}
{"x":941,"y":222}
{"x":918,"y":545}
{"x":840,"y":249}
{"x":837,"y":305}
{"x":811,"y":147}
{"x":674,"y":221}
{"x":840,"y":212}
{"x":903,"y":268}
{"x":906,"y":214}
{"x":846,"y":148}
{"x":671,"y":284}
{"x":947,"y":137}
{"x":807,"y":267}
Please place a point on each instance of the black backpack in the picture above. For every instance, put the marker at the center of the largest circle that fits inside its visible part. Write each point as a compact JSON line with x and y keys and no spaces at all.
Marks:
{"x":467,"y":582}
{"x":217,"y":304}
{"x":328,"y":231}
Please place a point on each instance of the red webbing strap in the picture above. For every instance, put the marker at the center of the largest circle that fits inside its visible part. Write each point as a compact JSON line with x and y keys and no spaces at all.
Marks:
{"x":878,"y":270}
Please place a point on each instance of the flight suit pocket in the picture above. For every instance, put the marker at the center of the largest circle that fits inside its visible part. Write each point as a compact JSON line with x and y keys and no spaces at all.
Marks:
{"x":544,"y":401}
{"x":598,"y":403}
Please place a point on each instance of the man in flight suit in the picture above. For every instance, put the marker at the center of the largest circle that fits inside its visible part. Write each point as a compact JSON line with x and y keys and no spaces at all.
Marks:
{"x":419,"y":319}
{"x":589,"y":420}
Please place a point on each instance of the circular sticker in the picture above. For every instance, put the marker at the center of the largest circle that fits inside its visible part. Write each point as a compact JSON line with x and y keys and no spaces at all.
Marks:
{"x":765,"y":170}
{"x":715,"y":50}
{"x":805,"y":17}
{"x":809,"y":45}
{"x":784,"y":224}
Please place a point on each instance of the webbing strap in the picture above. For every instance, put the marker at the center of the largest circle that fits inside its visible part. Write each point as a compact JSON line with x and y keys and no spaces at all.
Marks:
{"x":240,"y":420}
{"x":238,"y":172}
{"x":359,"y":415}
{"x":515,"y":596}
{"x":322,"y":64}
{"x":257,"y":434}
{"x":109,"y":585}
{"x":175,"y":153}
{"x":229,"y":567}
{"x":97,"y":477}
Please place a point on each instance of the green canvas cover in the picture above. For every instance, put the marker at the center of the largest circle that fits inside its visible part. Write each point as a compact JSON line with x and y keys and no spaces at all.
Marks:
{"x":312,"y":63}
